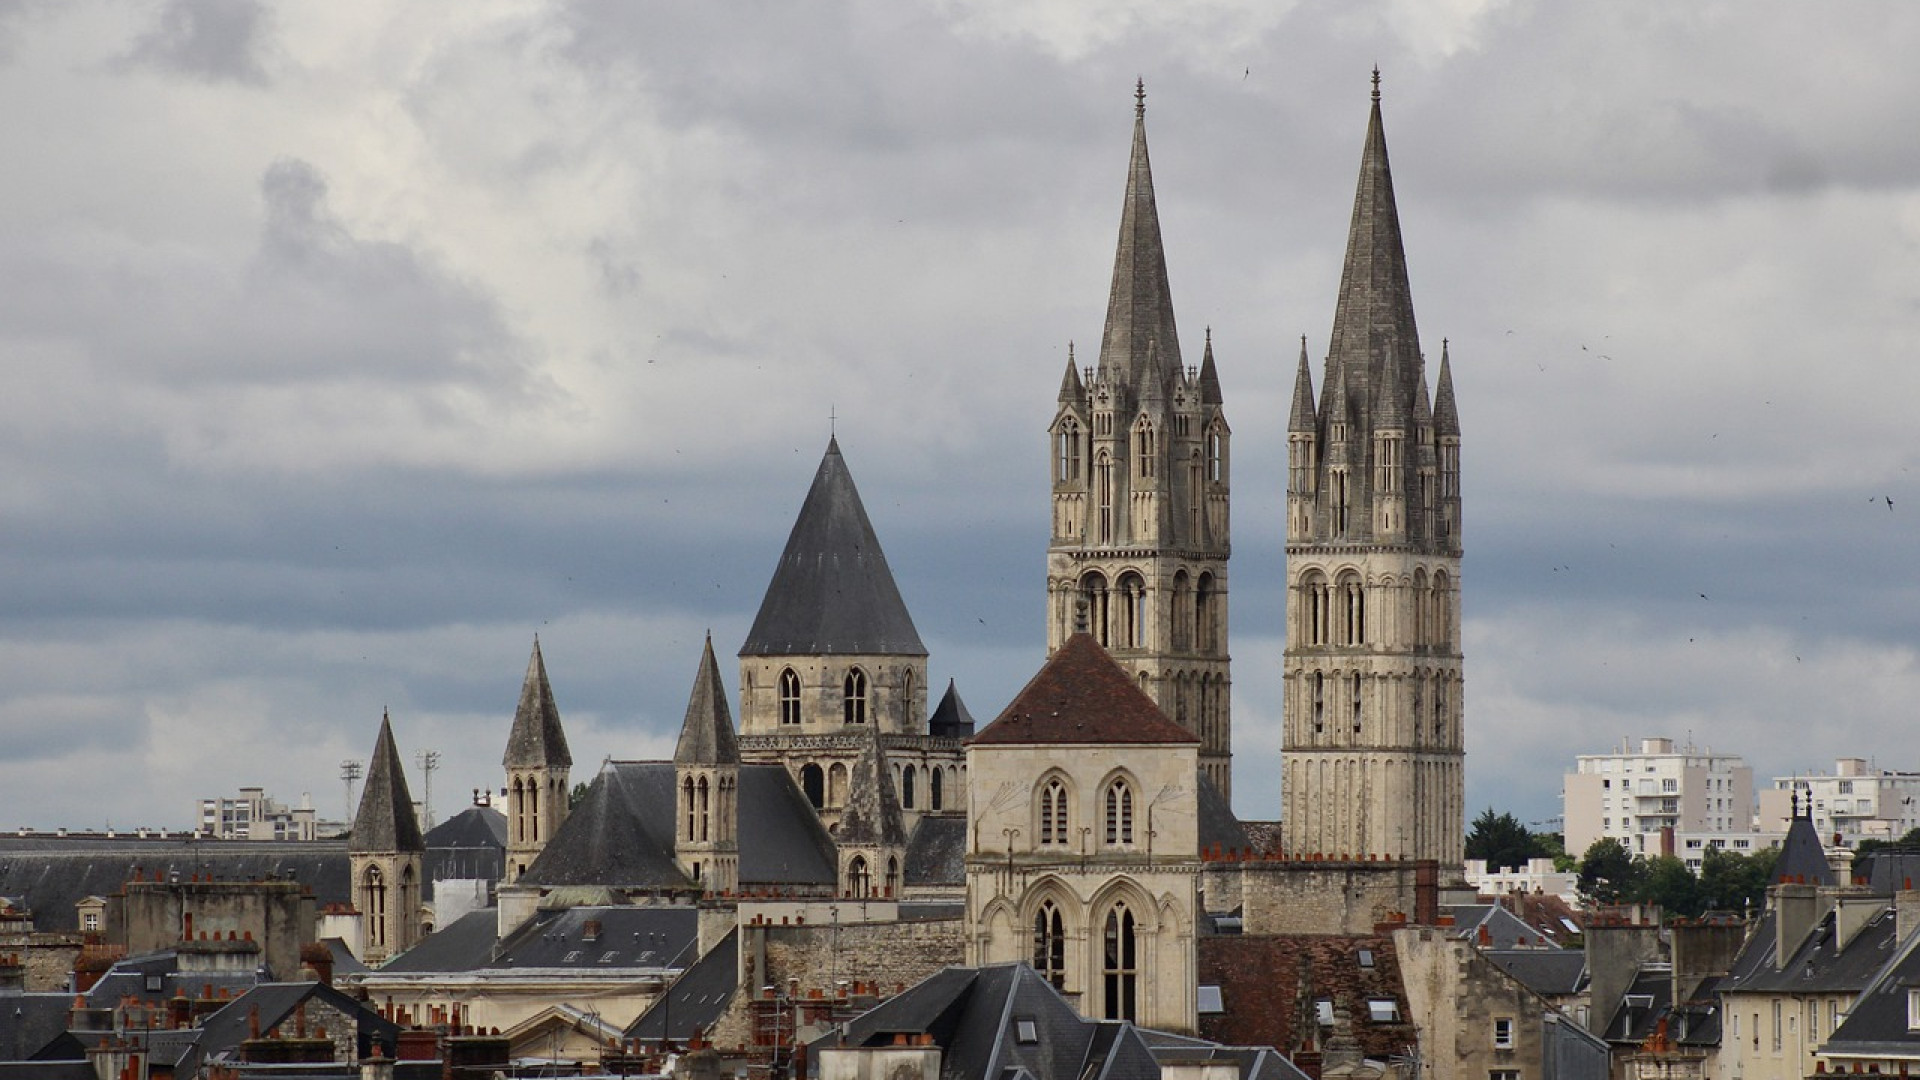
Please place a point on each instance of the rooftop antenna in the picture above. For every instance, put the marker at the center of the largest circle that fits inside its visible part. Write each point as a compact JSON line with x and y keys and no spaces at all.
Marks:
{"x":429,"y":760}
{"x":349,"y":771}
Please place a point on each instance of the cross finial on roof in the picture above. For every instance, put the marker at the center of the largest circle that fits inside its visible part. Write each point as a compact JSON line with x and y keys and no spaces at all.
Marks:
{"x":1139,"y":97}
{"x":1069,"y":351}
{"x":1209,"y":334}
{"x":833,"y":422}
{"x":1376,"y":82}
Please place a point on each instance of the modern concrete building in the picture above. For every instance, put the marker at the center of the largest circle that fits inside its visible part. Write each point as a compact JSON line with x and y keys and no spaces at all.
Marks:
{"x":1647,"y":797}
{"x":1856,"y":801}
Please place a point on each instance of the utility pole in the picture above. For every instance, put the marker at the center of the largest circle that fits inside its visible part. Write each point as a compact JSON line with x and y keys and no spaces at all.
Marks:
{"x":350,"y":771}
{"x":429,"y":760}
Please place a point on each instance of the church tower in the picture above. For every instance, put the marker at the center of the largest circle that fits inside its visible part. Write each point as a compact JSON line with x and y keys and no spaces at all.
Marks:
{"x":384,"y":855}
{"x":1139,"y":456}
{"x":1373,"y":746}
{"x":706,"y":768}
{"x":536,"y":761}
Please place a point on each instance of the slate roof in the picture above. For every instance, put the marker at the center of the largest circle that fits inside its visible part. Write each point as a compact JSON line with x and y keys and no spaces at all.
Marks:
{"x":950,"y":719}
{"x":1802,"y":857}
{"x":1639,"y":1010}
{"x":596,"y":938}
{"x":385,"y":821}
{"x":706,"y":734}
{"x":1218,"y":827}
{"x":50,"y":874}
{"x":465,"y":945}
{"x":1504,"y":929}
{"x":1140,"y":347}
{"x":937,"y":851}
{"x":31,"y":1023}
{"x":536,"y":740}
{"x":1548,"y":972}
{"x":1889,"y":870}
{"x":697,"y":998}
{"x":832,"y":592}
{"x":225,"y":1030}
{"x":1876,"y":1023}
{"x":621,"y":834}
{"x":1817,"y":965}
{"x":1080,"y":695}
{"x":474,"y":827}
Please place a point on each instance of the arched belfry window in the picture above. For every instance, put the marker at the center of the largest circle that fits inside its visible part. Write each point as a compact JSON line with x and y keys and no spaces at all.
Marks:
{"x":1119,"y":812}
{"x":1133,"y":611}
{"x":687,"y":801}
{"x":813,"y":781}
{"x":907,"y":776}
{"x":1143,"y":447}
{"x":702,"y":795}
{"x":1053,"y":813}
{"x":1216,"y":454}
{"x":1067,"y":460}
{"x":1093,"y":594}
{"x":1050,"y":944}
{"x":789,"y":697}
{"x":935,"y":794}
{"x":374,"y":902}
{"x":1120,"y":964}
{"x":1103,"y":480}
{"x":859,"y":879}
{"x":854,"y":696}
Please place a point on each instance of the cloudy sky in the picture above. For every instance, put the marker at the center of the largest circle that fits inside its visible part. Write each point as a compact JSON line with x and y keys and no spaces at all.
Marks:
{"x":345,"y":347}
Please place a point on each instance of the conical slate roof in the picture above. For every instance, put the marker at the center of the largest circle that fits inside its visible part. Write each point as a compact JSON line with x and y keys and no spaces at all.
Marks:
{"x":1373,"y":324}
{"x":706,"y":735}
{"x":1082,"y":696}
{"x":1303,"y":414}
{"x":872,"y":811}
{"x":1140,"y":329}
{"x":537,"y":739}
{"x":1209,"y":375}
{"x":950,"y":719}
{"x":832,"y":592}
{"x":1802,"y":858}
{"x":385,"y":821}
{"x":1446,"y":415}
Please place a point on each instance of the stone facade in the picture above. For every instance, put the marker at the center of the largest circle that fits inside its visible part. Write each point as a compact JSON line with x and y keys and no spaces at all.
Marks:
{"x":1141,"y":506}
{"x":276,"y":916}
{"x":1373,"y":746}
{"x":1334,"y":896}
{"x":1478,"y":1023}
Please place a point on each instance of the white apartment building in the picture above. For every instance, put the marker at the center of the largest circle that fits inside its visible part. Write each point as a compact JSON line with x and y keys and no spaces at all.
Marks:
{"x":254,"y":816}
{"x":1649,"y":797}
{"x":1855,"y":802}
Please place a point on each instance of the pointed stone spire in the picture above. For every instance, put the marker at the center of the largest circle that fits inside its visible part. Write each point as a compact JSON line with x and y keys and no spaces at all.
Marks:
{"x":832,"y":593}
{"x":706,"y":735}
{"x":1335,"y":400}
{"x":1446,"y":417}
{"x":1072,"y":390}
{"x":1304,"y":418}
{"x":872,"y":812}
{"x":1140,"y":302}
{"x":1209,"y":376}
{"x":1392,"y":407}
{"x":385,"y":821}
{"x":1422,"y":405}
{"x":537,"y":740}
{"x":1373,"y":324}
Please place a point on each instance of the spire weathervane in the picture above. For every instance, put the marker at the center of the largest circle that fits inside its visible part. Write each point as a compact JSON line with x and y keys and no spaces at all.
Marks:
{"x":1139,"y":98}
{"x":833,"y":423}
{"x":1376,"y":82}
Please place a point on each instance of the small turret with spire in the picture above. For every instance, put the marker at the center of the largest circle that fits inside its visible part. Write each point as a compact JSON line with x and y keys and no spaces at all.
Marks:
{"x":537,"y":762}
{"x":385,"y":852}
{"x":706,"y":766}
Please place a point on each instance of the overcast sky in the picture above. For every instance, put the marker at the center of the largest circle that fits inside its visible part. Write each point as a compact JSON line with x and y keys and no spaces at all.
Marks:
{"x":345,"y":347}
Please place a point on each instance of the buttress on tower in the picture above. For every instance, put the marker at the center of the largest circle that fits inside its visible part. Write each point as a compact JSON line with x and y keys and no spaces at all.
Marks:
{"x":1138,"y":555}
{"x":1374,"y":747}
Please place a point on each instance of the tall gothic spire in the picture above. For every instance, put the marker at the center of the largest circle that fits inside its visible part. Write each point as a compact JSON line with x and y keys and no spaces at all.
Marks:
{"x":385,"y":821}
{"x":537,"y":739}
{"x":1373,"y":322}
{"x":706,"y":735}
{"x":1303,"y":418}
{"x":1140,"y":304}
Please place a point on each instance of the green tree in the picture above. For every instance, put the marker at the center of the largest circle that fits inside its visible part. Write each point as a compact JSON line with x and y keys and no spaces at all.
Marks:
{"x":1609,"y":873}
{"x":579,"y":792}
{"x":1868,"y":846}
{"x":1730,"y":881}
{"x":1667,"y":881}
{"x":1500,"y":839}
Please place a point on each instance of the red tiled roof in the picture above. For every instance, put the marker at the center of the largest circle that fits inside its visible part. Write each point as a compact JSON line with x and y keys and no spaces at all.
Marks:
{"x":1082,"y":696}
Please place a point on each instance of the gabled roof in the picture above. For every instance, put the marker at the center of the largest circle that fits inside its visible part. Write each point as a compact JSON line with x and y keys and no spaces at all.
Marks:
{"x":1877,"y":1023}
{"x":937,"y":851}
{"x":950,"y":719}
{"x":1819,"y":964}
{"x":832,"y":592}
{"x":1549,"y":972}
{"x":1503,"y":929}
{"x":706,"y":735}
{"x":697,"y":998}
{"x":474,"y":827}
{"x":1269,"y":985}
{"x":537,"y":739}
{"x":386,"y":821}
{"x":1639,"y":1010}
{"x":1140,"y":347}
{"x":274,"y":1003}
{"x":621,"y":834}
{"x":1082,"y":696}
{"x":465,"y":944}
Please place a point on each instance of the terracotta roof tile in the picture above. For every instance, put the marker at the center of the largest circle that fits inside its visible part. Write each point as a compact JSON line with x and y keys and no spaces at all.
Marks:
{"x":1082,"y":696}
